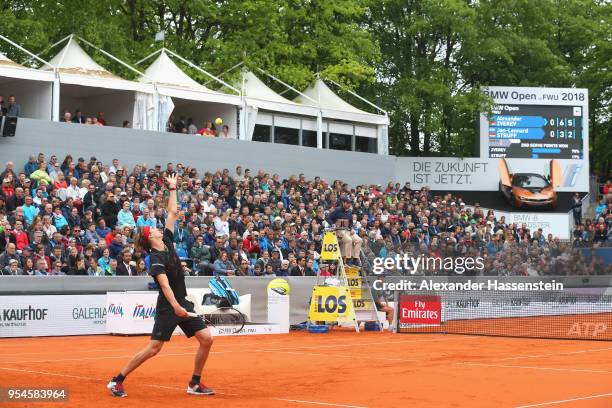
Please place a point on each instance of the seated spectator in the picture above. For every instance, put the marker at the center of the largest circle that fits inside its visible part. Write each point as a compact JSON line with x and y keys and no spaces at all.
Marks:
{"x":124,"y":268}
{"x":20,"y":236}
{"x":225,"y":132}
{"x":102,"y":230}
{"x":58,"y":218}
{"x":104,"y":262}
{"x":67,"y":118}
{"x":78,"y":117}
{"x":222,"y":266}
{"x":41,"y":174}
{"x":125,"y":217}
{"x":200,"y":253}
{"x":100,"y":119}
{"x":41,"y":268}
{"x":192,"y":129}
{"x":60,"y":182}
{"x":207,"y":130}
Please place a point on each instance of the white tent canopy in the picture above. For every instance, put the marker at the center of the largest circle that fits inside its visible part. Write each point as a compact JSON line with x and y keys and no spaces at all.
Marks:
{"x":334,"y":107}
{"x":260,"y":95}
{"x":171,"y":81}
{"x":189,"y":98}
{"x":86,"y":85}
{"x":32,"y":89}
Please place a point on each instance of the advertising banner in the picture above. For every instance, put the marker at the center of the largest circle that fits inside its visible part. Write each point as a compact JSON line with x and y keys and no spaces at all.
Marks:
{"x":557,"y":224}
{"x":420,"y":310}
{"x":130,"y":312}
{"x":52,"y":315}
{"x":331,"y":304}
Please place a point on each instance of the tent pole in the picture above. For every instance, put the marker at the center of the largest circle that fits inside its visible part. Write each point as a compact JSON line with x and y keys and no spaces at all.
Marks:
{"x":111,"y":56}
{"x":357,"y":96}
{"x":45,"y":50}
{"x":194,"y":66}
{"x":285,"y":84}
{"x":225,"y":72}
{"x":70,"y":39}
{"x":19,"y":47}
{"x":149,"y":56}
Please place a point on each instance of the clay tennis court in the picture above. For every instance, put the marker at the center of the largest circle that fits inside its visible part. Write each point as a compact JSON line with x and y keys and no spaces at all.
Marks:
{"x":338,"y":369}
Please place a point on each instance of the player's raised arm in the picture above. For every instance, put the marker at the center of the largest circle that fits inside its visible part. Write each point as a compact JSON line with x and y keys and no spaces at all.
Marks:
{"x":172,"y":208}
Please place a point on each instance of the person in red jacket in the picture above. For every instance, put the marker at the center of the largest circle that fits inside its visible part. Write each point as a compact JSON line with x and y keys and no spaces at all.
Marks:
{"x":251,"y":244}
{"x":21,"y":237}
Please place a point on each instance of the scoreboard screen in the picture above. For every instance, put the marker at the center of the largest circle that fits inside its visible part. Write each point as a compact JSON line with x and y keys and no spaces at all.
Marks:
{"x":535,"y":132}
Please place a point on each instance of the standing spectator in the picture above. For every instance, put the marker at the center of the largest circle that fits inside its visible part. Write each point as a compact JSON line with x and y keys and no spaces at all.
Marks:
{"x":13,"y":109}
{"x":67,"y":118}
{"x":577,"y":209}
{"x":2,"y":106}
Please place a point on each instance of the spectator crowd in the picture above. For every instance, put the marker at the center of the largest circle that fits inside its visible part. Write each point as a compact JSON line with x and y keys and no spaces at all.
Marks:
{"x":80,"y":218}
{"x":188,"y":126}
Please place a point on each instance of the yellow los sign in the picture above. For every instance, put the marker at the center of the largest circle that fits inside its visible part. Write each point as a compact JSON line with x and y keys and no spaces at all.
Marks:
{"x":330,"y":250}
{"x":331,"y":304}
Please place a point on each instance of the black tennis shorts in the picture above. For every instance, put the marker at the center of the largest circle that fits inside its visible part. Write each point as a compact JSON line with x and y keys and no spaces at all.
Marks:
{"x":166,"y":321}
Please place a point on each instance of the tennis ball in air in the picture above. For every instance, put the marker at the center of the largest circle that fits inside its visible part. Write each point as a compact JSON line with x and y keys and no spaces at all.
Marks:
{"x":218,"y":121}
{"x":279,"y":286}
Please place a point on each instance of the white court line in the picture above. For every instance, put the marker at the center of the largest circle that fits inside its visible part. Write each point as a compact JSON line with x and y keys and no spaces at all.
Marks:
{"x":166,"y":346}
{"x":302,"y":353}
{"x":321,"y":347}
{"x":575,"y":370}
{"x":327,"y":404}
{"x":564,"y":401}
{"x":555,"y":354}
{"x":81,"y":377}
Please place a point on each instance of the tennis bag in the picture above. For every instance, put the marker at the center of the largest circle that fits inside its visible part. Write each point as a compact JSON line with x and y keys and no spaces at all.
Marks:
{"x":223,"y":294}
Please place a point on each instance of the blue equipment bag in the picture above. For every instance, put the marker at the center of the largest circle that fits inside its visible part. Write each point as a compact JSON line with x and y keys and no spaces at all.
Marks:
{"x":220,"y":287}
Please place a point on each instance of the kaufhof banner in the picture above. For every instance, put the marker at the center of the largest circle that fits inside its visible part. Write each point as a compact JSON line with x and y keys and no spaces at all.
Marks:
{"x":52,"y":315}
{"x":577,"y":302}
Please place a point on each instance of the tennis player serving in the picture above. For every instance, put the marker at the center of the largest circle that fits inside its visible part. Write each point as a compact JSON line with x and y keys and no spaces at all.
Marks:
{"x":172,"y":307}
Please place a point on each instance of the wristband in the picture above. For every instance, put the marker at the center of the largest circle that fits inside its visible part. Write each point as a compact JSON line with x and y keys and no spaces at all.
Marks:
{"x":172,"y":189}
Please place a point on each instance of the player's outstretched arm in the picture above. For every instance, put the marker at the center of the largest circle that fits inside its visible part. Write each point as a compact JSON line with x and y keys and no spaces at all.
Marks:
{"x":172,"y":208}
{"x":162,"y":281}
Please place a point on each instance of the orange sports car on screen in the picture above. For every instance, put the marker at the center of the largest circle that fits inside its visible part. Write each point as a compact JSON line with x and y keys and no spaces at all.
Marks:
{"x":530,"y":189}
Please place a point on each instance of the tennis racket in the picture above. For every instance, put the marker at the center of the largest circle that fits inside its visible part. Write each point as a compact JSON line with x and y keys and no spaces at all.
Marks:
{"x":226,"y":319}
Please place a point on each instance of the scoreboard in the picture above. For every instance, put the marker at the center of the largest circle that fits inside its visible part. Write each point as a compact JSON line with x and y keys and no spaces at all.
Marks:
{"x":535,"y":132}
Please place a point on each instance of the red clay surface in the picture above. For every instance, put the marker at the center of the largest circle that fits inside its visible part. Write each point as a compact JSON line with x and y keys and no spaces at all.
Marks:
{"x":339,"y":369}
